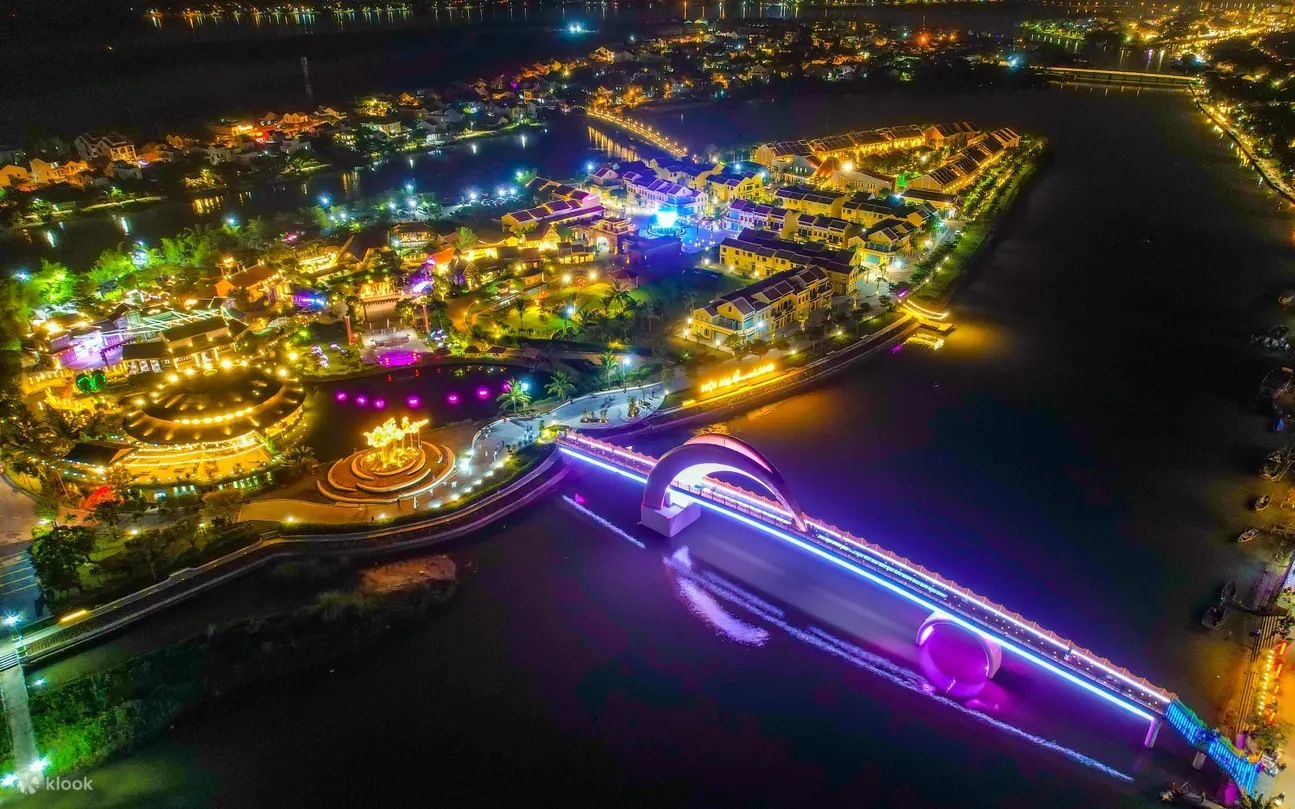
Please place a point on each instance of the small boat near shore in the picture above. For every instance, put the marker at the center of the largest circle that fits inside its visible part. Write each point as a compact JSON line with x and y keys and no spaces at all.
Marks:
{"x":1275,"y":465}
{"x":1248,"y":534}
{"x":1228,"y":593}
{"x":1214,"y":617}
{"x":1262,"y":502}
{"x":1286,"y":297}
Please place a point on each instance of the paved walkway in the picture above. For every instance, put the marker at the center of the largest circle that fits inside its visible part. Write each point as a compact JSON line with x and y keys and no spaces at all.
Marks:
{"x":492,"y":440}
{"x":13,"y":688}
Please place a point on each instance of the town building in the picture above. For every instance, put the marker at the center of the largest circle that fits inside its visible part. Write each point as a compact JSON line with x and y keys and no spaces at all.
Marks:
{"x":763,"y":309}
{"x":411,"y":236}
{"x":657,"y":193}
{"x":45,"y":172}
{"x":811,"y":201}
{"x":956,"y":135}
{"x":764,"y":253}
{"x":109,"y":145}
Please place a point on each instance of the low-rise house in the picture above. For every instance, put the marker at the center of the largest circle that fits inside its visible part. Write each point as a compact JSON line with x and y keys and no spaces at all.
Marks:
{"x":109,"y":145}
{"x":14,"y":176}
{"x":44,"y":172}
{"x":765,"y":308}
{"x":954,"y":135}
{"x":887,"y":241}
{"x":657,"y":193}
{"x":826,"y":229}
{"x":257,"y":283}
{"x":729,"y":186}
{"x":811,"y":201}
{"x":764,"y":253}
{"x":411,"y":236}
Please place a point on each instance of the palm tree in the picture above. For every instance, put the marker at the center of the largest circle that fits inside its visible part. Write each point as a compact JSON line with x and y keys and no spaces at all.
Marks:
{"x":560,"y":386}
{"x":609,"y":366}
{"x":618,"y":297}
{"x":514,"y":397}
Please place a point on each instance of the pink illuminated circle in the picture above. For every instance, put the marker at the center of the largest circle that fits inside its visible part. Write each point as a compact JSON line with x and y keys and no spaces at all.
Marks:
{"x":453,"y":398}
{"x":413,"y":401}
{"x":340,"y":396}
{"x":378,"y":404}
{"x":361,"y":400}
{"x":483,"y":393}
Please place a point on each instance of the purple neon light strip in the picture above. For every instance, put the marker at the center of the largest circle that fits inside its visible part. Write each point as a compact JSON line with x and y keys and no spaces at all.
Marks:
{"x":1006,"y":642}
{"x":886,"y":560}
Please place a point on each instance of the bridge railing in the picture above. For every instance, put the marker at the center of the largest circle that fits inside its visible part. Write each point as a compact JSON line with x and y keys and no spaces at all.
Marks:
{"x":1199,"y":735}
{"x":1054,"y":649}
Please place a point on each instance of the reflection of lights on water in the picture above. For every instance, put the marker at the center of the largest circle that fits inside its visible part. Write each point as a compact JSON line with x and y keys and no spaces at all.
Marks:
{"x":413,"y":401}
{"x":361,"y":400}
{"x":483,"y":393}
{"x":453,"y":398}
{"x":721,"y":588}
{"x":603,"y":522}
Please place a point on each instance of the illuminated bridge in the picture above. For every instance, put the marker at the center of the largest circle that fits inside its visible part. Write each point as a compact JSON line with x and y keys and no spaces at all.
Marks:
{"x":1122,"y":77}
{"x":641,"y":131}
{"x":677,"y":486}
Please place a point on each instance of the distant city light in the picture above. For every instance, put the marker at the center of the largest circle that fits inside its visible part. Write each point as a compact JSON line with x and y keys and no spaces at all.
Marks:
{"x":325,"y":200}
{"x":409,"y":188}
{"x":231,"y":220}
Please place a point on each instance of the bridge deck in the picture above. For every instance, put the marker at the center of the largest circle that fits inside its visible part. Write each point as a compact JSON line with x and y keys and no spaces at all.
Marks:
{"x":1119,"y":76}
{"x":907,"y":579}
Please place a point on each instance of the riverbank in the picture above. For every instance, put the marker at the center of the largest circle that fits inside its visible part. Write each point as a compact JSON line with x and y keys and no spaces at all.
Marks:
{"x":91,"y":719}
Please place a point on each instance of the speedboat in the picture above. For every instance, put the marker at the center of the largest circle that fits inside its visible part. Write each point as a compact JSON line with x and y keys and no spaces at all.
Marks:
{"x":1248,"y":534}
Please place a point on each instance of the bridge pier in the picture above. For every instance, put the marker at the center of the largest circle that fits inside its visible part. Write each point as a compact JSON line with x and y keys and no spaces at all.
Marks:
{"x":957,"y":660}
{"x":670,"y":519}
{"x":1152,"y":733}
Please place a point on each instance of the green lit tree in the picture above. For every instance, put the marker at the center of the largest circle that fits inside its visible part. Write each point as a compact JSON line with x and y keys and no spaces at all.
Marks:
{"x":560,"y":386}
{"x":58,"y":555}
{"x":515,"y":397}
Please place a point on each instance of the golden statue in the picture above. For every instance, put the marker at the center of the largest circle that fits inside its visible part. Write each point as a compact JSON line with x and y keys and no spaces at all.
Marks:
{"x":391,"y":442}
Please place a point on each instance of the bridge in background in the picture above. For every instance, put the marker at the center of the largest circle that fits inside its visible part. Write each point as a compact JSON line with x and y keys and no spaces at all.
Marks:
{"x":679,"y":485}
{"x":1125,"y":78}
{"x":642,"y":131}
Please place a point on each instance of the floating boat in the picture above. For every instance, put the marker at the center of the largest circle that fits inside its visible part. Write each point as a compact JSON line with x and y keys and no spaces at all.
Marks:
{"x":1228,"y":593}
{"x":1248,"y":534}
{"x":1275,"y":465}
{"x":1286,"y":297}
{"x":1262,"y":503}
{"x":1214,"y":616}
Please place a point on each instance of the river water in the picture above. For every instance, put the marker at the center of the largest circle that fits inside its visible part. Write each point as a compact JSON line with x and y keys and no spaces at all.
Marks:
{"x":1080,"y":451}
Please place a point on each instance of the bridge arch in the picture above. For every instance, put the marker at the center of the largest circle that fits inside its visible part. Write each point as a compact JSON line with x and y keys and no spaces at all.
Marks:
{"x":707,"y":454}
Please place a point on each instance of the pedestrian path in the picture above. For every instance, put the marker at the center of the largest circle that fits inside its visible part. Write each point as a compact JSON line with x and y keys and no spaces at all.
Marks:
{"x":19,"y":591}
{"x":13,"y":690}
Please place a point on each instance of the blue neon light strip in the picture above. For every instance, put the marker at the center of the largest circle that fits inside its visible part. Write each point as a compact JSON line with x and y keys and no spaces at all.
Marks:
{"x":1007,"y":643}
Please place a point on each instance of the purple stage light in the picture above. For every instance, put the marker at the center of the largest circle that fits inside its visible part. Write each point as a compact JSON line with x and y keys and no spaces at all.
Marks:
{"x":361,"y":400}
{"x":378,"y":404}
{"x":453,"y":398}
{"x":413,"y":401}
{"x":340,"y":396}
{"x":483,"y":393}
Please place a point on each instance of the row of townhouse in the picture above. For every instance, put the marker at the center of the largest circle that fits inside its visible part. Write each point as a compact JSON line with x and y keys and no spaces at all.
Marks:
{"x":790,"y":224}
{"x":964,"y":166}
{"x":711,"y":181}
{"x":765,"y":308}
{"x":765,"y":253}
{"x":807,"y":156}
{"x":565,"y":204}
